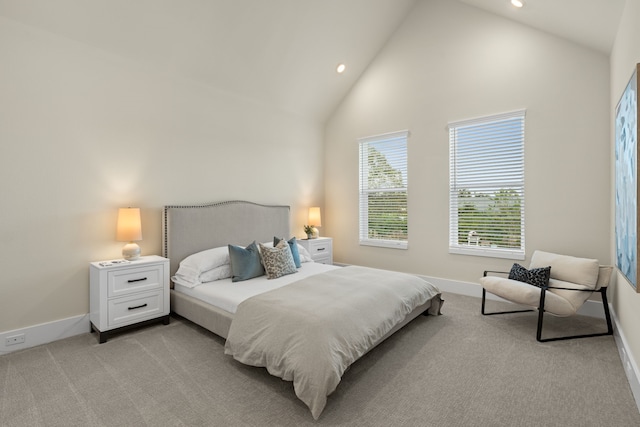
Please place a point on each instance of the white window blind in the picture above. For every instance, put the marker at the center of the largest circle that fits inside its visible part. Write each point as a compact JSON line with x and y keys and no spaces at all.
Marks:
{"x":383,"y":190}
{"x":486,"y":199}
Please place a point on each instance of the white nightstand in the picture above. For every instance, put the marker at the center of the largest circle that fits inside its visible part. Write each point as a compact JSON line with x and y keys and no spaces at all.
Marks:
{"x":124,"y":294}
{"x":321,"y":249}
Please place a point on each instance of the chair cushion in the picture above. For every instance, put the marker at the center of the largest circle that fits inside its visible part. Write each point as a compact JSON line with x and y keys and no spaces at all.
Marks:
{"x":576,"y":299}
{"x":525,"y":294}
{"x":583,"y":271}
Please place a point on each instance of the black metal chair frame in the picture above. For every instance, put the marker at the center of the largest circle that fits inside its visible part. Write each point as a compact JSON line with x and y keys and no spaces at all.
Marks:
{"x":540,"y":309}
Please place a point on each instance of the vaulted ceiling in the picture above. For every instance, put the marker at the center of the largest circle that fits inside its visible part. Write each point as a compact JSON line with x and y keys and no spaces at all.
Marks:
{"x":592,"y":23}
{"x":280,"y":52}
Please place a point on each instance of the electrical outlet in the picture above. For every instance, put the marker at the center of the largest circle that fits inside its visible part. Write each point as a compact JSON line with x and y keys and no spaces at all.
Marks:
{"x":14,"y":339}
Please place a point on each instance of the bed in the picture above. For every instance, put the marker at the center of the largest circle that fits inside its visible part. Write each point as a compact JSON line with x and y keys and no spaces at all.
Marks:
{"x":307,"y":327}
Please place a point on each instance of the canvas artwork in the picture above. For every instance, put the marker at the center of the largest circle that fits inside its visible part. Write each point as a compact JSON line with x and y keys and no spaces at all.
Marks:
{"x":627,"y":181}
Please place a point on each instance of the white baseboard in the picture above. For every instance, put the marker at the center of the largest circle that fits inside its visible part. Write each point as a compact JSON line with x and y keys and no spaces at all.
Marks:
{"x":45,"y":333}
{"x":628,"y":361}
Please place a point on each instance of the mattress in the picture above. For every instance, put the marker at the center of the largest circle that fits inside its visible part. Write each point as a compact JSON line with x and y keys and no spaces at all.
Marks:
{"x":227,"y":295}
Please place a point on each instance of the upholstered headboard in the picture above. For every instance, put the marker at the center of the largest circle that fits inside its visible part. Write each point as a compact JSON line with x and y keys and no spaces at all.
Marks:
{"x":193,"y":228}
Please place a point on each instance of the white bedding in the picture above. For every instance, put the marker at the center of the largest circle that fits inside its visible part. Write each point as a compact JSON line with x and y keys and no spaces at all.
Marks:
{"x":227,"y":295}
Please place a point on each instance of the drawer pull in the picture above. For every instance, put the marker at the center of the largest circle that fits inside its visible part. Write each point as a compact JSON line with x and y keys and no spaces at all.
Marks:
{"x":137,"y":280}
{"x":321,"y":249}
{"x":137,"y":306}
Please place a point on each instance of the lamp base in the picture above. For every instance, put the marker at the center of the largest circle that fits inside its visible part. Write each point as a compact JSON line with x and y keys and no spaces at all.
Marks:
{"x":131,"y":251}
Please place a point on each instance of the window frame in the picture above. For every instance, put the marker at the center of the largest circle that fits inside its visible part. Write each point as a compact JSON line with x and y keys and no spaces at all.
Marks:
{"x":363,"y":201}
{"x":515,"y":168}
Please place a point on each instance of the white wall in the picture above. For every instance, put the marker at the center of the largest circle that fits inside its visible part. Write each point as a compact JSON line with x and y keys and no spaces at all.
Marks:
{"x":83,"y":132}
{"x":450,"y":61}
{"x":624,"y":57}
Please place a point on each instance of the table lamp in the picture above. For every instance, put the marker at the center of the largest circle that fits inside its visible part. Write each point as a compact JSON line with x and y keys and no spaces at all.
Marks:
{"x":129,"y":229}
{"x":315,"y":220}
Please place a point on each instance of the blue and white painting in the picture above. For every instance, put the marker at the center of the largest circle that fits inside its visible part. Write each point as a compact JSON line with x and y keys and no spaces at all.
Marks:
{"x":627,"y":181}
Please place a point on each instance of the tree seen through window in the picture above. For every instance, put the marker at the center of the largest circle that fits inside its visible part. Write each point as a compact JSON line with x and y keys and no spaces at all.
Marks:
{"x":387,"y":209}
{"x":492,"y":219}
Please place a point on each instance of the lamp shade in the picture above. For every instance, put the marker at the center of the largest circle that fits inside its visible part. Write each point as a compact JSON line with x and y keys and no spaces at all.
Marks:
{"x":314,"y":217}
{"x":128,"y":228}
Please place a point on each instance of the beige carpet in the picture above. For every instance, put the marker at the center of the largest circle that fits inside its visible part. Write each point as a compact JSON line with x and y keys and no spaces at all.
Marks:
{"x":458,"y":369}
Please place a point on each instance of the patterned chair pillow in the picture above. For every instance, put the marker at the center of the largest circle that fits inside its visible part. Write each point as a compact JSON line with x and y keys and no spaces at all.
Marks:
{"x":536,"y":276}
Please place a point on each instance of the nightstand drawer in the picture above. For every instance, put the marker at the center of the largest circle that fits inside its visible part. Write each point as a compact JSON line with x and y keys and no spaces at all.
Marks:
{"x":319,"y":248}
{"x":128,"y":280}
{"x":127,"y":310}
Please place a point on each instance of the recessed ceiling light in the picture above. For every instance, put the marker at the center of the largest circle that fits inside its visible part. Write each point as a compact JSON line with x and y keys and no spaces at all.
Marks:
{"x":517,"y":3}
{"x":341,"y":68}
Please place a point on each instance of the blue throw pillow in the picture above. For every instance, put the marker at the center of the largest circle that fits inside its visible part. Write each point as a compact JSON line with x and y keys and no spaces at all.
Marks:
{"x":293,"y":245}
{"x":245,"y":262}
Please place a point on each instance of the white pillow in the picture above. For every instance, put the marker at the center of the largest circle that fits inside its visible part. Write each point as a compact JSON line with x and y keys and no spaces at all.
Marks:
{"x":218,"y":273}
{"x":193,"y":266}
{"x":305,"y":256}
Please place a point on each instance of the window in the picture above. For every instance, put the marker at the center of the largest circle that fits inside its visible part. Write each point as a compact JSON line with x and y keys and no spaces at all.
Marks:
{"x":486,"y":199}
{"x":383,"y":190}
